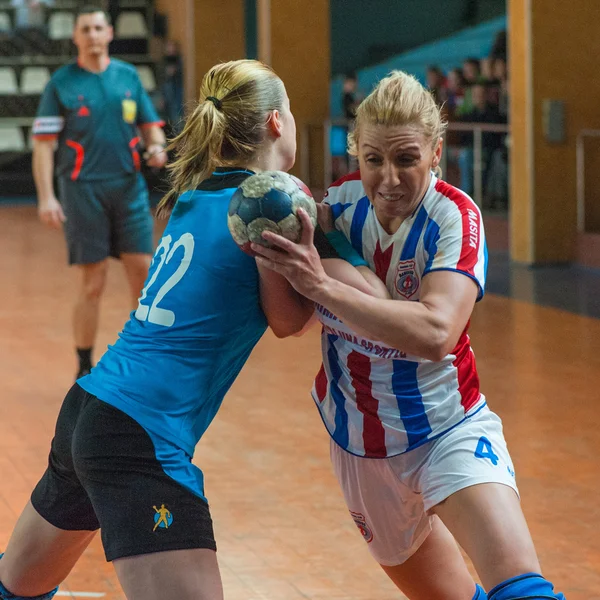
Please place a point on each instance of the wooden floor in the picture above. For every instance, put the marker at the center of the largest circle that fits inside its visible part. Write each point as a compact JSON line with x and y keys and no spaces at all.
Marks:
{"x":281,"y":525}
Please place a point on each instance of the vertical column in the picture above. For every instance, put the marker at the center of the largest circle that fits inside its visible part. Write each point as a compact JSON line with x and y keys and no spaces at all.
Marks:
{"x":553,"y":57}
{"x":219,"y":34}
{"x":295,"y":36}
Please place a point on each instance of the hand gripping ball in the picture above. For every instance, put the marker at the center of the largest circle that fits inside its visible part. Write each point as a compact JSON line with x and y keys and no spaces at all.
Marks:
{"x":269,"y":201}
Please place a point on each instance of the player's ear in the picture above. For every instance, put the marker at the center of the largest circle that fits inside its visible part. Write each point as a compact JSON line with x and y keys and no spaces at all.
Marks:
{"x":275,"y":124}
{"x":111,"y":33}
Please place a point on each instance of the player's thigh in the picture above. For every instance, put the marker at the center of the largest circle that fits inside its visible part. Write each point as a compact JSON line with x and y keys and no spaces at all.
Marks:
{"x":132,"y":221}
{"x":172,"y":575}
{"x":59,"y":522}
{"x":146,"y":493}
{"x":389,"y":515}
{"x":436,"y":571}
{"x":469,"y":482}
{"x":39,"y":556}
{"x":87,"y":227}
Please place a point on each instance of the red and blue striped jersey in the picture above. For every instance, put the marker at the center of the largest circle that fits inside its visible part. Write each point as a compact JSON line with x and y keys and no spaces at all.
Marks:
{"x":378,"y":401}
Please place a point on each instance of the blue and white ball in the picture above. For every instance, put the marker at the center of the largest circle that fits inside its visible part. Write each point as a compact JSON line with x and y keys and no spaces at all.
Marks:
{"x":269,"y":201}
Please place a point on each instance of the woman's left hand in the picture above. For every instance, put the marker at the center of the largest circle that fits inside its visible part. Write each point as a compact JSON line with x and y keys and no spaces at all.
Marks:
{"x":298,"y":262}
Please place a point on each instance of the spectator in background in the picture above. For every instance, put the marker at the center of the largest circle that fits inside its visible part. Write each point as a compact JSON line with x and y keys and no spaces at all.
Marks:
{"x":481,"y":112}
{"x":472,"y":74}
{"x":350,"y":96}
{"x":172,"y":87}
{"x":499,"y":47}
{"x":436,"y":83}
{"x":455,"y":91}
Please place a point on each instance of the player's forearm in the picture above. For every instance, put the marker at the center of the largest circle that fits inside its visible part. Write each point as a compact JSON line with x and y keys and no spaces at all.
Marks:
{"x":287,"y":311}
{"x":43,"y":168}
{"x":152,"y":135}
{"x":407,"y":326}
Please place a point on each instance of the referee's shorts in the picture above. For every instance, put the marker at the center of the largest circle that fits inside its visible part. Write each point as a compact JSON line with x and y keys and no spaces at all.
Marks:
{"x":106,"y":218}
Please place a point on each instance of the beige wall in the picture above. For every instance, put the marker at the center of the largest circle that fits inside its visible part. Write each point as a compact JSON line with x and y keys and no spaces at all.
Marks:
{"x":560,"y":49}
{"x":219,"y":27}
{"x":300,"y":53}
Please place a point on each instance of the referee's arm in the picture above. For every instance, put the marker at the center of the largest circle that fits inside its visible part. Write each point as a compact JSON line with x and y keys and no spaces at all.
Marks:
{"x":154,"y":141}
{"x":49,"y":208}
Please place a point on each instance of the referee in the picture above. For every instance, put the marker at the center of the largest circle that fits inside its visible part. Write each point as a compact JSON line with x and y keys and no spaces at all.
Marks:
{"x":94,"y":113}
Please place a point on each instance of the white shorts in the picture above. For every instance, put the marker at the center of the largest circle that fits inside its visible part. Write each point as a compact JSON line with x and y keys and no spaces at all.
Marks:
{"x":389,"y":498}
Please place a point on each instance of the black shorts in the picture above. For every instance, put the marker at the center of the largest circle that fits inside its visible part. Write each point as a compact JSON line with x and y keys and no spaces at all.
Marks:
{"x":104,"y":473}
{"x":106,"y":218}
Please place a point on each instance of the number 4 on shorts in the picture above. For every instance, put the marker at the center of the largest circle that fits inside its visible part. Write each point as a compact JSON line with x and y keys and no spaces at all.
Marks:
{"x":484,"y":450}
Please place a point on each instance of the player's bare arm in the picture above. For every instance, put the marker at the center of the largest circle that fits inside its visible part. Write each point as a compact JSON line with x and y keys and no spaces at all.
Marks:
{"x":429,"y":328}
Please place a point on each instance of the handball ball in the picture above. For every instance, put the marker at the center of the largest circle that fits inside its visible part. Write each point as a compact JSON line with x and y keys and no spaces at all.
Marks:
{"x":269,"y":201}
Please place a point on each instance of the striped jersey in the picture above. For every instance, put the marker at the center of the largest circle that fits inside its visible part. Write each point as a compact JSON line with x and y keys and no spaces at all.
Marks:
{"x":378,"y":401}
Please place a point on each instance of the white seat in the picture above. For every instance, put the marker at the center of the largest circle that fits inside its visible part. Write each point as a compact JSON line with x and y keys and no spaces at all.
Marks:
{"x":147,"y":78}
{"x":12,"y":139}
{"x":131,"y":24}
{"x":34,"y":80}
{"x":5,"y":22}
{"x":8,"y":81}
{"x":60,"y":25}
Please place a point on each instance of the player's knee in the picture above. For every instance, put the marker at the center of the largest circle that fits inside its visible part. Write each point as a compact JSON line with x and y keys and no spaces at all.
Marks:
{"x":528,"y":585}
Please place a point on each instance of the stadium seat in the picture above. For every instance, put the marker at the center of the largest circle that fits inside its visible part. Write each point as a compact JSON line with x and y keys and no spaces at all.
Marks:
{"x":12,"y":139}
{"x":8,"y":81}
{"x":147,"y":77}
{"x":5,"y":22}
{"x":34,"y":80}
{"x":60,"y":25}
{"x":131,"y":24}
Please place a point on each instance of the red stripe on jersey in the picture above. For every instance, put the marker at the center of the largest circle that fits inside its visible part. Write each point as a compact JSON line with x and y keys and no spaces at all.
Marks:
{"x":79,"y":156}
{"x":350,"y":177}
{"x":134,"y":153}
{"x":373,"y":432}
{"x":471,"y":220}
{"x":468,"y":379}
{"x":321,"y":384}
{"x":382,"y":261}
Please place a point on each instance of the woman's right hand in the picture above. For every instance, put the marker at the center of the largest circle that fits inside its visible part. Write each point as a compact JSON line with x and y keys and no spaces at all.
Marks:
{"x":325,"y":217}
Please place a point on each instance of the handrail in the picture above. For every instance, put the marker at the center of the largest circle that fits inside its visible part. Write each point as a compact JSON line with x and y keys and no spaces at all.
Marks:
{"x":477,"y":128}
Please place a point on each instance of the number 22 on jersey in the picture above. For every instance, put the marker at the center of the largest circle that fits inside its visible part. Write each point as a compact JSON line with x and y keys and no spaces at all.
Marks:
{"x":164,"y":253}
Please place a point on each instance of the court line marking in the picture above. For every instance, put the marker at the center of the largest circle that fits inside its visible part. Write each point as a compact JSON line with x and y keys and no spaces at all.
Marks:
{"x":81,"y":594}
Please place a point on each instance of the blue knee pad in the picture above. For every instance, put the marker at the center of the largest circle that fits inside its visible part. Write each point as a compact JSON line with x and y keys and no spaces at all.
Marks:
{"x":6,"y":595}
{"x":530,"y":586}
{"x":479,"y":594}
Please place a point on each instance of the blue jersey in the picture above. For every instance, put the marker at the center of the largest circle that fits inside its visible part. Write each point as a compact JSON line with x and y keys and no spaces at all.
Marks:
{"x":198,"y":318}
{"x":95,"y":117}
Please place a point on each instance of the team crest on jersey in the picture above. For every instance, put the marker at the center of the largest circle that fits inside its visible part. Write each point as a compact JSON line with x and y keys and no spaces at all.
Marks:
{"x":361,"y":523}
{"x":407,"y":280}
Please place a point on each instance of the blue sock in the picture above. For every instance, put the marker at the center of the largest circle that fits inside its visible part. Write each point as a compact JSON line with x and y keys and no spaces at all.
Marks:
{"x":479,"y":594}
{"x":530,"y":586}
{"x":6,"y":595}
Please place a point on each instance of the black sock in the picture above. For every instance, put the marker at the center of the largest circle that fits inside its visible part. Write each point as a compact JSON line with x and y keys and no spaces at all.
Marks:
{"x":85,"y":358}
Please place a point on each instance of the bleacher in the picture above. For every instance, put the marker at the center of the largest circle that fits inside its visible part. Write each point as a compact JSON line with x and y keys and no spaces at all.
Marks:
{"x":28,"y":57}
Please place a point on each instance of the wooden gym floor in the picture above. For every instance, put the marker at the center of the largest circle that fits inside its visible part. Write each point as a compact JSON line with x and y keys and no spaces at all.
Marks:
{"x":281,"y":525}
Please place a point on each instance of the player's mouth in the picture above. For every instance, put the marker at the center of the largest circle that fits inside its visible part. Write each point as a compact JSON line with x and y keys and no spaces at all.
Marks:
{"x":390,"y":197}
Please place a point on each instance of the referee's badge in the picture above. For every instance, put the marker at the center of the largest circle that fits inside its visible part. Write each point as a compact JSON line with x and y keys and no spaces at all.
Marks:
{"x":129,"y":110}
